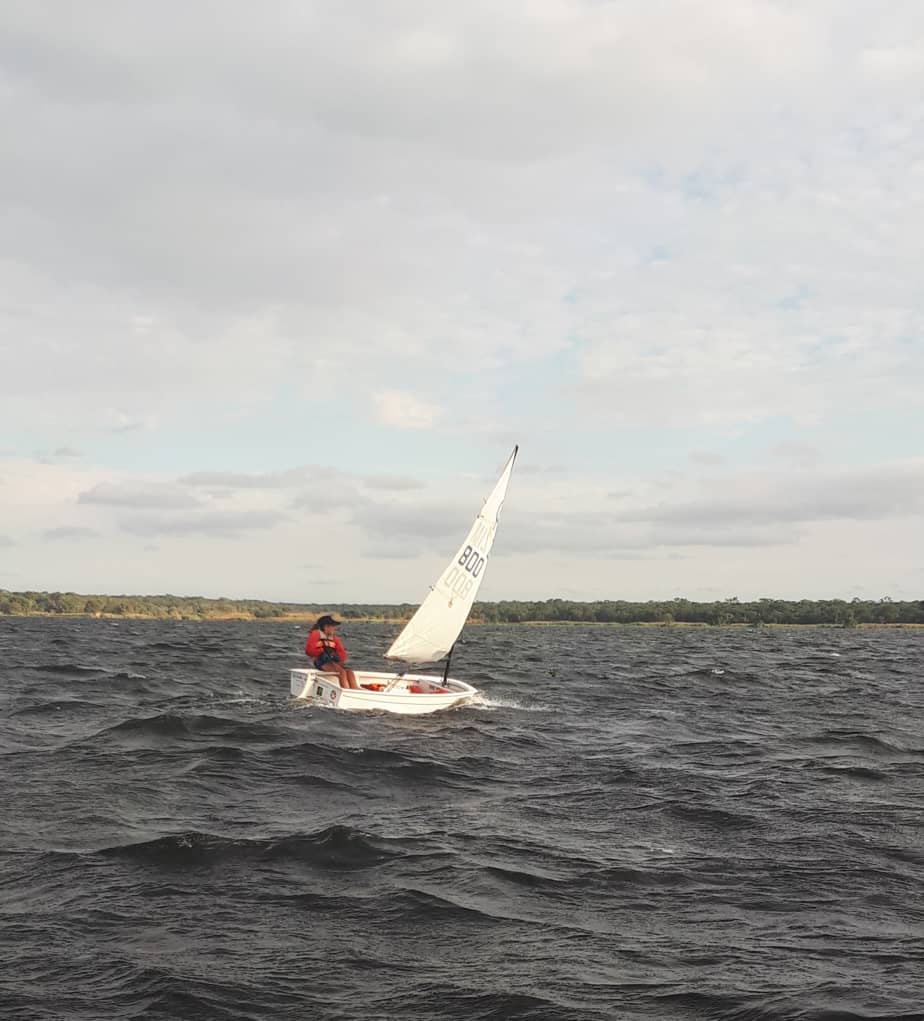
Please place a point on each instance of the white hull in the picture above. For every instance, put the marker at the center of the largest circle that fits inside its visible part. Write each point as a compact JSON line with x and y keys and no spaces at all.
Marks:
{"x":409,"y":694}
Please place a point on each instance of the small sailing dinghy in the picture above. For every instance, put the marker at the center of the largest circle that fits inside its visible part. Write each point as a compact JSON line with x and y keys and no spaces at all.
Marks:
{"x":428,"y":636}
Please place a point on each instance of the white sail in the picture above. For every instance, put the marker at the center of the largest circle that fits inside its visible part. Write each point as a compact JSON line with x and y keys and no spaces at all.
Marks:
{"x":432,"y":631}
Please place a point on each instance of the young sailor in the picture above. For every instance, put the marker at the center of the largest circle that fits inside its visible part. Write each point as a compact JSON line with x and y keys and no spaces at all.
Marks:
{"x":327,"y":651}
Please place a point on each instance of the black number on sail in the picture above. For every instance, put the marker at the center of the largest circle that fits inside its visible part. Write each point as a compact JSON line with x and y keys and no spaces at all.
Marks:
{"x":472,"y":561}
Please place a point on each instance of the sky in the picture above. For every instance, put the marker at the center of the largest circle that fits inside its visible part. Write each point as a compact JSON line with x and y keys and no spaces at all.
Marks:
{"x":282,"y":284}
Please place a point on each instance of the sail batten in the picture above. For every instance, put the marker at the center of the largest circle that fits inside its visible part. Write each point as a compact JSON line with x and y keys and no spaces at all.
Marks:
{"x":430,"y":634}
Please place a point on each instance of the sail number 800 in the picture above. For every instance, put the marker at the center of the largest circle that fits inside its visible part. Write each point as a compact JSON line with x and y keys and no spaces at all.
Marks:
{"x":472,"y":561}
{"x":461,"y":576}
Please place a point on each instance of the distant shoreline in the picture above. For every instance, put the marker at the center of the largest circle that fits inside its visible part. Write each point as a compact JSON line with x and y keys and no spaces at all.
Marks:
{"x":676,"y":612}
{"x":472,"y":621}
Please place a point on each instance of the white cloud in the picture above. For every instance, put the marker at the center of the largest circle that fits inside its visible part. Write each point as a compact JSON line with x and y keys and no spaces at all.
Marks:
{"x":405,"y":411}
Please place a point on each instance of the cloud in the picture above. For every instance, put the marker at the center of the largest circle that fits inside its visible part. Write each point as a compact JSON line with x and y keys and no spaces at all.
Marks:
{"x":541,"y":469}
{"x":324,"y":497}
{"x":397,"y":526}
{"x":771,"y":499}
{"x":69,"y":532}
{"x":404,"y":411}
{"x":603,"y":534}
{"x":5,"y":540}
{"x":390,"y":552}
{"x":211,"y":524}
{"x":144,"y":495}
{"x":421,"y":220}
{"x":121,"y":422}
{"x":743,"y":510}
{"x":741,"y":537}
{"x":392,"y":483}
{"x":894,"y":64}
{"x":289,"y":478}
{"x":57,"y":455}
{"x":802,"y":454}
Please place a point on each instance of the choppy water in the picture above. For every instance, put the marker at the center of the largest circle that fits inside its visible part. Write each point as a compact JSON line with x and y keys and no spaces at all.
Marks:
{"x":691,"y":823}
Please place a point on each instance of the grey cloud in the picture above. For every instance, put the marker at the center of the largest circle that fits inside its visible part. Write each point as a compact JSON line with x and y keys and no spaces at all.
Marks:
{"x":408,"y":531}
{"x":5,"y":540}
{"x":52,"y":456}
{"x":391,"y":552}
{"x":209,"y":524}
{"x":720,"y":537}
{"x":255,"y":153}
{"x":67,"y":532}
{"x":577,"y":532}
{"x":336,"y":494}
{"x":803,"y":454}
{"x":328,"y":193}
{"x":604,"y":534}
{"x":864,"y":494}
{"x":423,"y":523}
{"x":286,"y":479}
{"x":394,"y":483}
{"x":705,"y":457}
{"x":541,"y":469}
{"x":143,"y":495}
{"x":127,"y":425}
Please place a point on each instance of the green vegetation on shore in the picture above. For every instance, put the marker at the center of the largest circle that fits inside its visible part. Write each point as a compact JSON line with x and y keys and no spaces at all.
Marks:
{"x":606,"y":611}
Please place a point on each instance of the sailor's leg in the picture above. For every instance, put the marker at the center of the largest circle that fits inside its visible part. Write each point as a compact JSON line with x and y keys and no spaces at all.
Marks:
{"x":336,"y":668}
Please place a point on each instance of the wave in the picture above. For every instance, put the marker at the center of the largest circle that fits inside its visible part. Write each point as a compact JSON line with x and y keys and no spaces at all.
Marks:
{"x":717,"y":1007}
{"x":156,"y":731}
{"x":433,"y":998}
{"x":871,"y":744}
{"x":490,"y":702}
{"x":334,"y":847}
{"x":390,"y":767}
{"x":714,"y":818}
{"x":54,"y":708}
{"x":857,"y":772}
{"x":67,"y":669}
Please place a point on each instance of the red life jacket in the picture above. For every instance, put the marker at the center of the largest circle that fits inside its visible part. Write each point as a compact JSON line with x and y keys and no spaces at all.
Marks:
{"x":317,"y":643}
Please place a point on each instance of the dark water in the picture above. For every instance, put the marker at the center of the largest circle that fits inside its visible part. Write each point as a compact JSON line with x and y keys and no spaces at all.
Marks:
{"x":695,"y":824}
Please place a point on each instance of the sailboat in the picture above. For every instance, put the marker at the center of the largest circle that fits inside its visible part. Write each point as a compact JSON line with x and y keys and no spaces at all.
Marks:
{"x":428,"y":636}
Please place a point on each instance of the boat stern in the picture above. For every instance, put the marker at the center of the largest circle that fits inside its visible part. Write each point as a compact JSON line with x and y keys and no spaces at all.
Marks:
{"x":313,"y":684}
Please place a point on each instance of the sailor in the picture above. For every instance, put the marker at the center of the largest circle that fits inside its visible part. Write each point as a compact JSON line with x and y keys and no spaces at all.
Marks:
{"x":327,"y":651}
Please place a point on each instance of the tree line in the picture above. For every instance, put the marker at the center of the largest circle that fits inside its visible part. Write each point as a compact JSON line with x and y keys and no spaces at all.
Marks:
{"x":839,"y":612}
